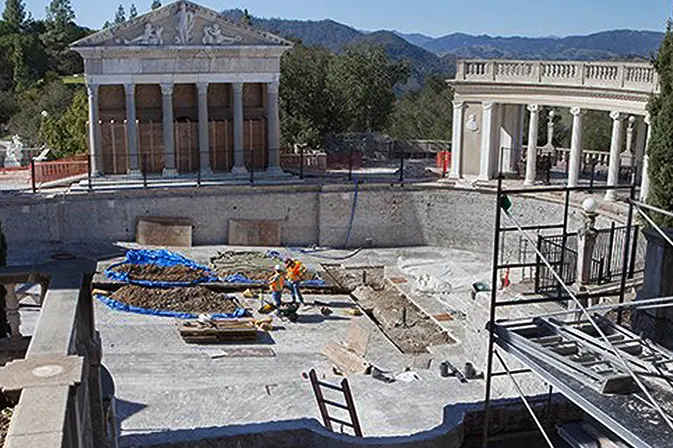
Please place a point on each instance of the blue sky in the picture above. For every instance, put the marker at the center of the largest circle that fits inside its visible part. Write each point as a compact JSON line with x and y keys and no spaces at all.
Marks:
{"x":432,"y":17}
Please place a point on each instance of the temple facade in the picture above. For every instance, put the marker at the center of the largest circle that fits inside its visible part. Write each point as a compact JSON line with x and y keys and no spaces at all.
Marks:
{"x":182,"y":90}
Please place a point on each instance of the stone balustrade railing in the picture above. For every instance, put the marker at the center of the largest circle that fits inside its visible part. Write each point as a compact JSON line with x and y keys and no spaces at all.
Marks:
{"x":634,"y":76}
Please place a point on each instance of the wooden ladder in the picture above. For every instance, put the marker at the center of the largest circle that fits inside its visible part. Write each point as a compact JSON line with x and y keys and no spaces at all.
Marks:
{"x":349,"y":406}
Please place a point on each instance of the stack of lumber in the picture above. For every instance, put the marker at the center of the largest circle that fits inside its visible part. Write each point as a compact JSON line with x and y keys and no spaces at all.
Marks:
{"x":218,"y":331}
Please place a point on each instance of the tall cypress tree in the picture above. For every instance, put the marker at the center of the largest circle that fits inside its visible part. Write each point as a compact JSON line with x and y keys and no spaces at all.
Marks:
{"x":14,"y":13}
{"x":156,"y":4}
{"x":133,"y":12}
{"x":4,"y":326}
{"x":120,"y":15}
{"x":660,"y":149}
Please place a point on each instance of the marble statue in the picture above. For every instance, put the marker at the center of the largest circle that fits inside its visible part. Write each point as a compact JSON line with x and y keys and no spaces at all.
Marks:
{"x":184,"y":26}
{"x":14,"y":152}
{"x":212,"y":35}
{"x":151,"y":36}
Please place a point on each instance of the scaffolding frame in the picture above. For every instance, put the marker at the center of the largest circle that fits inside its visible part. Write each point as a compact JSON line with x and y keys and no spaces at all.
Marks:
{"x":499,"y":231}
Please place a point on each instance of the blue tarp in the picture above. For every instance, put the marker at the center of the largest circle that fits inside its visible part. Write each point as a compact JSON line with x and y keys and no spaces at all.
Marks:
{"x":159,"y":257}
{"x":119,"y":306}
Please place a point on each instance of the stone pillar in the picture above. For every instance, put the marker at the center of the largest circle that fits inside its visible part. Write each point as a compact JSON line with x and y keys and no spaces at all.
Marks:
{"x":645,"y":179}
{"x":615,"y":152}
{"x":204,"y":139}
{"x":575,"y":161}
{"x":508,"y":123}
{"x":585,"y":247}
{"x":518,"y":134}
{"x":169,"y":132}
{"x":239,"y":154}
{"x":94,"y":129}
{"x":12,"y":308}
{"x":132,"y":129}
{"x":273,"y":127}
{"x":641,"y":137}
{"x":531,"y":154}
{"x":550,"y":129}
{"x":457,"y":140}
{"x":486,"y":141}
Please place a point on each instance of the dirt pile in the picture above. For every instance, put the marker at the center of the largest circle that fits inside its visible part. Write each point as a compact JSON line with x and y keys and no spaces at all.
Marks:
{"x":152,"y":272}
{"x":251,"y":265}
{"x":194,"y":300}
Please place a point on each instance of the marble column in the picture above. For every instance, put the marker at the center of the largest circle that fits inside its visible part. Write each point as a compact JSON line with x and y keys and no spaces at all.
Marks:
{"x":645,"y":179}
{"x":457,"y":140}
{"x":575,"y":160}
{"x":518,"y":135}
{"x":239,"y":154}
{"x":641,"y":137}
{"x":486,"y":141}
{"x":94,"y":129}
{"x":169,"y":132}
{"x":132,"y":130}
{"x":615,"y":152}
{"x":531,"y":153}
{"x":273,"y":128}
{"x":204,"y":138}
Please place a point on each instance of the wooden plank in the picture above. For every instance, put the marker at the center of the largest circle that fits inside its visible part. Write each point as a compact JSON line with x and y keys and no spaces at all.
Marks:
{"x":344,"y":359}
{"x":358,"y":339}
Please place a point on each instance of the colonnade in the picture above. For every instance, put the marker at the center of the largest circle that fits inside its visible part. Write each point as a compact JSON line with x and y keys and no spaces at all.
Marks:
{"x":494,"y":156}
{"x":272,"y":116}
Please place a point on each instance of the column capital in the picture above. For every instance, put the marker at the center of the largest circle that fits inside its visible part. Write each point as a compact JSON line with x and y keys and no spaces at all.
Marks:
{"x":616,"y":115}
{"x":458,"y":104}
{"x":92,"y":88}
{"x":202,"y":88}
{"x":575,"y":111}
{"x":647,"y":119}
{"x":488,"y":105}
{"x":166,"y":88}
{"x":238,"y":87}
{"x":130,"y":89}
{"x":533,"y":108}
{"x":272,"y":87}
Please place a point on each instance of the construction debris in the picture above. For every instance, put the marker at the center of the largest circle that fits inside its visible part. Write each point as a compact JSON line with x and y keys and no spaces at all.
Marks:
{"x":344,"y":359}
{"x":219,"y":331}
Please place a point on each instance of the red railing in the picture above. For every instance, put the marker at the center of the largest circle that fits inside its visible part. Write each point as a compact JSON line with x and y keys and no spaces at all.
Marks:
{"x":60,"y":169}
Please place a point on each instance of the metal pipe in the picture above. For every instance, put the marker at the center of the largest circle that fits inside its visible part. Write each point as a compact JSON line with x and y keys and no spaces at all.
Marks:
{"x":652,"y":208}
{"x":656,"y":227}
{"x":491,"y":336}
{"x":32,"y":174}
{"x":523,"y":398}
{"x":534,"y":190}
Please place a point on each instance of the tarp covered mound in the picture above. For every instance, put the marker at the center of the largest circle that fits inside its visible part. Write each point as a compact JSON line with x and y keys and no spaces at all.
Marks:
{"x":119,"y":306}
{"x":160,"y":257}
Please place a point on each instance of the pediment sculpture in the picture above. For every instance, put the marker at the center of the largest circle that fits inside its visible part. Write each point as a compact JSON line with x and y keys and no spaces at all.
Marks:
{"x":184,"y":25}
{"x":151,"y":36}
{"x":212,"y":35}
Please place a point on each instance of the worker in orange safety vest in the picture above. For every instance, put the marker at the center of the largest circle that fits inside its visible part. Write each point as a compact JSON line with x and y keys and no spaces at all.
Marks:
{"x":295,"y":274}
{"x":276,"y":284}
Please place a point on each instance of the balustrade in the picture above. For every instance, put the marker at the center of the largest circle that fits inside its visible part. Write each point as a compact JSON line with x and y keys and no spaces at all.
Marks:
{"x":637,"y":76}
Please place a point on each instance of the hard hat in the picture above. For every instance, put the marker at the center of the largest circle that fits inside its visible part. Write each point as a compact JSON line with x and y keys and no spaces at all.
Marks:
{"x":278,"y":267}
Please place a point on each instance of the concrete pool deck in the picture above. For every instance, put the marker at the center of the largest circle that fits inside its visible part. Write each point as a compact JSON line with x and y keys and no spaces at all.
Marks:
{"x":169,"y":391}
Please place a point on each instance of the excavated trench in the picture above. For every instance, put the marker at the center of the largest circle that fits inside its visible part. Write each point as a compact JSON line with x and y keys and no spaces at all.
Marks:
{"x":406,"y":325}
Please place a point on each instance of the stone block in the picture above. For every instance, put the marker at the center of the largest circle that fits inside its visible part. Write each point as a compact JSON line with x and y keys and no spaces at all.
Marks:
{"x":164,"y":231}
{"x":244,"y":232}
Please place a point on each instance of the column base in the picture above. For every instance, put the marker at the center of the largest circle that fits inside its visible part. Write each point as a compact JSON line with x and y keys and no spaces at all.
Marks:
{"x":135,"y":174}
{"x":169,"y":172}
{"x":528,"y":183}
{"x":483,"y":178}
{"x":206,"y":172}
{"x":275,"y":171}
{"x":239,"y":170}
{"x":456,"y":176}
{"x":610,"y":196}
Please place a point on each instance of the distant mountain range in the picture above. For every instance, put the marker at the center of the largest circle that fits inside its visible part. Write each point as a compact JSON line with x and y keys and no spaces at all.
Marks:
{"x":429,"y":55}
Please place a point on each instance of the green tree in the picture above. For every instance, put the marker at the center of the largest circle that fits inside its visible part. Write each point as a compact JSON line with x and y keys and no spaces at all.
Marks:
{"x":107,"y":24}
{"x":660,"y":149}
{"x":14,"y":13}
{"x":156,"y":4}
{"x":120,"y":15}
{"x":133,"y":12}
{"x":362,"y":81}
{"x":424,"y":114}
{"x":60,"y":13}
{"x":246,"y":19}
{"x":304,"y":97}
